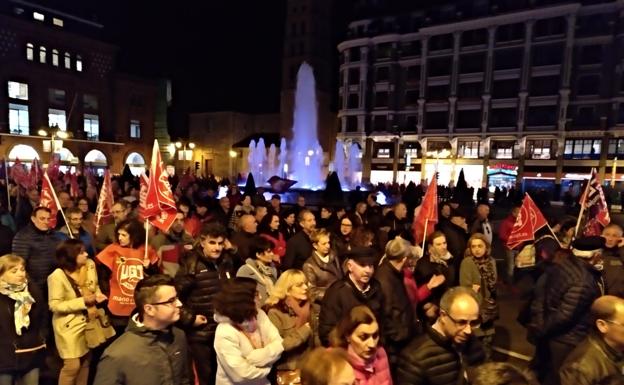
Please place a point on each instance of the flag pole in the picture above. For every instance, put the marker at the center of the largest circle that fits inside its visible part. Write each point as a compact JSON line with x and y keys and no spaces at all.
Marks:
{"x":425,"y":235}
{"x":146,"y":239}
{"x":6,"y":180}
{"x":583,"y":198}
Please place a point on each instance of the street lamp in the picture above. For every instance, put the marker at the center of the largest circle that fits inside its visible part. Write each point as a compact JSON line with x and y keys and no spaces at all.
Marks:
{"x":233,"y":155}
{"x":55,"y":143}
{"x":184,"y":154}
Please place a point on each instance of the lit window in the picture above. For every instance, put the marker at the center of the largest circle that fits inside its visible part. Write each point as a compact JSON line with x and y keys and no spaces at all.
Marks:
{"x":57,"y":22}
{"x":135,"y":129}
{"x":90,"y":102}
{"x":38,"y":16}
{"x":18,"y":90}
{"x":469,"y":150}
{"x":92,"y":126}
{"x":78,"y":63}
{"x":383,"y":153}
{"x":411,"y":153}
{"x":55,"y":57}
{"x":42,"y":54}
{"x":67,"y":60}
{"x":30,"y":51}
{"x":57,"y":118}
{"x":18,"y":119}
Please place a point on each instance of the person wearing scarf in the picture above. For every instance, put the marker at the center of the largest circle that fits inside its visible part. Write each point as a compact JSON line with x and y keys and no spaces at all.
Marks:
{"x":478,"y":272}
{"x":261,"y":268}
{"x":358,"y":333}
{"x":22,"y":324}
{"x":289,"y":310}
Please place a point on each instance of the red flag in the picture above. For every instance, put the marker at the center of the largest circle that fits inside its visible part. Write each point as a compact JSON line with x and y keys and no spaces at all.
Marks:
{"x":35,"y":172}
{"x":529,"y":220}
{"x":19,"y":174}
{"x":143,"y":210}
{"x":158,"y":205}
{"x":54,"y":167}
{"x":595,"y":206}
{"x":105,"y":202}
{"x":426,"y":219}
{"x":48,"y":199}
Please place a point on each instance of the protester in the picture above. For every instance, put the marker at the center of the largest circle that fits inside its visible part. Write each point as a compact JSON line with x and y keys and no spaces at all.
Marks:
{"x":23,"y":324}
{"x":358,"y":332}
{"x":107,"y":234}
{"x":202,"y":272}
{"x":261,"y":268}
{"x":613,"y":255}
{"x":600,"y":355}
{"x":500,"y":373}
{"x":341,"y":239}
{"x":289,"y":310}
{"x":170,"y":245}
{"x":299,"y":247}
{"x":245,"y":237}
{"x":441,"y":355}
{"x":73,"y":295}
{"x":287,"y":226}
{"x":75,"y":225}
{"x":247,"y":343}
{"x":269,"y":229}
{"x":151,"y":351}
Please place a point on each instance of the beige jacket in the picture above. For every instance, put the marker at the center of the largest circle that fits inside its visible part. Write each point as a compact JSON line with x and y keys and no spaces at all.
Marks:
{"x":69,"y":312}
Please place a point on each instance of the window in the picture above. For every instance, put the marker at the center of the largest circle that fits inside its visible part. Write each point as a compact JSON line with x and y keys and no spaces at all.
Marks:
{"x":58,"y":22}
{"x":472,"y":63}
{"x":353,"y":101}
{"x":38,"y":16}
{"x":354,"y":54}
{"x":440,"y":66}
{"x":410,"y":48}
{"x":545,"y":85}
{"x":55,"y":57}
{"x":30,"y":51}
{"x":505,"y":59}
{"x":383,"y":153}
{"x":352,"y":124}
{"x":381,"y":99}
{"x":56,"y":97}
{"x":411,"y":123}
{"x":441,"y":42}
{"x":413,"y":73}
{"x":588,"y":85}
{"x":503,"y":149}
{"x":18,"y":119}
{"x":582,"y":149}
{"x":57,"y":118}
{"x":503,"y":117}
{"x":92,"y":126}
{"x":549,"y":54}
{"x":437,"y":93}
{"x":67,"y":60}
{"x":505,"y":89}
{"x":380,"y":122}
{"x":135,"y":129}
{"x":90,"y":102}
{"x":591,"y":54}
{"x":541,"y":149}
{"x":542,"y":116}
{"x":586,"y":116}
{"x":474,"y":37}
{"x":78,"y":63}
{"x":616,"y":147}
{"x":383,"y":74}
{"x":469,"y":118}
{"x":510,"y":32}
{"x":469,"y":149}
{"x":354,"y":76}
{"x":411,"y":97}
{"x":384,"y":50}
{"x":18,"y":90}
{"x":549,"y":27}
{"x":42,"y":54}
{"x":436,"y":120}
{"x":411,"y":153}
{"x":470,"y":90}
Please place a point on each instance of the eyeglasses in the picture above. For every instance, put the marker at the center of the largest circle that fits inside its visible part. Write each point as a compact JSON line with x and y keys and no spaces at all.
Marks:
{"x":171,"y":301}
{"x":464,"y":322}
{"x":613,"y":322}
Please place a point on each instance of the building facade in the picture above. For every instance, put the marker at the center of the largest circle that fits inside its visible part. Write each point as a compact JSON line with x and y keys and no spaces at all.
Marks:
{"x":57,"y":78}
{"x":510,"y":93}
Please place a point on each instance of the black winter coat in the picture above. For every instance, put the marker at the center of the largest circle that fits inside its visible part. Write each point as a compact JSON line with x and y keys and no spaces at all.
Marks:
{"x":197,"y":281}
{"x":613,"y":272}
{"x":571,"y":289}
{"x":431,"y":359}
{"x":399,"y":318}
{"x":38,"y":248}
{"x":298,"y":250}
{"x":591,"y":362}
{"x":341,"y":297}
{"x":32,"y":337}
{"x":425,"y":269}
{"x":456,"y":240}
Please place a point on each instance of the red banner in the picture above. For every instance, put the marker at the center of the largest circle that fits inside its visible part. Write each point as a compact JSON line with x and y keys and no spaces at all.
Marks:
{"x":424,"y":222}
{"x":595,"y":205}
{"x":20,"y":175}
{"x":529,"y":220}
{"x":105,"y":202}
{"x":48,"y":199}
{"x":156,"y":198}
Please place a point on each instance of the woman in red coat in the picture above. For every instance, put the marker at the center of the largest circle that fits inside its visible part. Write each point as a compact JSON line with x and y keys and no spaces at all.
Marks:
{"x":269,"y":229}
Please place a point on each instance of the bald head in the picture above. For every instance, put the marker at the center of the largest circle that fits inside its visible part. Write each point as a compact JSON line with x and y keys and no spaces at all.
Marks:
{"x":607,"y":307}
{"x":608,"y":314}
{"x":247,"y":223}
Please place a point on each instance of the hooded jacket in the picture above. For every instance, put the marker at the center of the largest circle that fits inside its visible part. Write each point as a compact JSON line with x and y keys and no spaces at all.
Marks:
{"x":145,"y":357}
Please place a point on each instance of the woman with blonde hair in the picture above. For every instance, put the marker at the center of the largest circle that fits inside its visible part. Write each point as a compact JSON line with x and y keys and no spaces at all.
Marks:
{"x":289,"y":310}
{"x":358,"y":332}
{"x":478,"y":271}
{"x":326,"y":367}
{"x":23,"y":317}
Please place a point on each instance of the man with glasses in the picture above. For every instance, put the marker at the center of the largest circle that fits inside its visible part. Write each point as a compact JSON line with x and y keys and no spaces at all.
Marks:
{"x":443,"y":353}
{"x":601,"y":354}
{"x":151,"y":351}
{"x":75,"y":220}
{"x":106,"y":234}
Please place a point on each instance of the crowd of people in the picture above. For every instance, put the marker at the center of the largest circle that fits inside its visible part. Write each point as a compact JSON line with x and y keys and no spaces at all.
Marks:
{"x":241,"y":290}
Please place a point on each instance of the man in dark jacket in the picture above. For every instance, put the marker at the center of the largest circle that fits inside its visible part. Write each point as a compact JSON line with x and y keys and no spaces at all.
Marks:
{"x":613,"y":255}
{"x":245,"y":238}
{"x":442,"y":355}
{"x":456,"y":232}
{"x":151,"y":351}
{"x":396,"y":222}
{"x":357,"y":288}
{"x":36,"y":243}
{"x":570,"y":291}
{"x":200,"y":276}
{"x":601,"y":354}
{"x":299,"y":247}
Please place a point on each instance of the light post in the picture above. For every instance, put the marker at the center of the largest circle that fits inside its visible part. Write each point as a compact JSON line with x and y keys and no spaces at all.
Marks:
{"x":184,"y":154}
{"x":55,"y":143}
{"x":232,"y":156}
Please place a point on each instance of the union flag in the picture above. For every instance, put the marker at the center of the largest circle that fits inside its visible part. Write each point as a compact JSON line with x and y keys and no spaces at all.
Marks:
{"x":156,"y":199}
{"x":105,"y":202}
{"x":529,"y":220}
{"x":48,"y":199}
{"x":427,"y":217}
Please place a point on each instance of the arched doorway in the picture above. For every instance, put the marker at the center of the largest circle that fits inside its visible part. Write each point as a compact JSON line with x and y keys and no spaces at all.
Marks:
{"x":68,"y":161}
{"x":24,"y":153}
{"x":136,"y":162}
{"x":96,"y":160}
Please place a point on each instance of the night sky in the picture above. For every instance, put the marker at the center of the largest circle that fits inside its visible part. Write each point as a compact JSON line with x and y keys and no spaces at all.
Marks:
{"x":220,"y":55}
